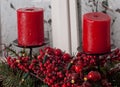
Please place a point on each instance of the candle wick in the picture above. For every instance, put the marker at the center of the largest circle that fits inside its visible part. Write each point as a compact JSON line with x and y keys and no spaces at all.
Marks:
{"x":95,"y":15}
{"x":30,"y":9}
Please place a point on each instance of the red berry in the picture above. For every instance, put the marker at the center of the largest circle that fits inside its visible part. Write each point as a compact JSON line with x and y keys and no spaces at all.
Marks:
{"x":92,"y":62}
{"x":56,"y":69}
{"x":56,"y":85}
{"x":86,"y":84}
{"x":94,"y":76}
{"x":34,"y":61}
{"x":79,"y":54}
{"x":39,"y":57}
{"x":66,"y":57}
{"x":68,"y":84}
{"x":78,"y":68}
{"x":41,"y":52}
{"x":49,"y":50}
{"x":74,"y":76}
{"x":9,"y":59}
{"x":58,"y":52}
{"x":64,"y":85}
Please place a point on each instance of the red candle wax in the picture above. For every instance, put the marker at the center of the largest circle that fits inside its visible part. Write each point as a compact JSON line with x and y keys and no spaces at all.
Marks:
{"x":30,"y":26}
{"x":96,"y":33}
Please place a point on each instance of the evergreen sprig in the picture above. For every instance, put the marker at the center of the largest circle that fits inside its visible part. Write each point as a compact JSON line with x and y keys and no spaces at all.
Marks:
{"x":15,"y":78}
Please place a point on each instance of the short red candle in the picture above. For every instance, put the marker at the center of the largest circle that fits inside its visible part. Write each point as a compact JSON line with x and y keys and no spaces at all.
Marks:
{"x":96,"y":33}
{"x":30,"y":26}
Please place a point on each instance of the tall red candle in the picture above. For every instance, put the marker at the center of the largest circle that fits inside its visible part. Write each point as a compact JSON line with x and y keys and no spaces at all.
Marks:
{"x":96,"y":33}
{"x":30,"y":26}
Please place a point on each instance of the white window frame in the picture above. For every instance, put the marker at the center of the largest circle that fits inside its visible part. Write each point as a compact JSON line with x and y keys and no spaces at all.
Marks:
{"x":65,"y":28}
{"x":0,"y":29}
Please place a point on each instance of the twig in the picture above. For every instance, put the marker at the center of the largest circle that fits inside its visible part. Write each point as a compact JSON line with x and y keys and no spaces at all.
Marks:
{"x":36,"y":76}
{"x":11,"y":50}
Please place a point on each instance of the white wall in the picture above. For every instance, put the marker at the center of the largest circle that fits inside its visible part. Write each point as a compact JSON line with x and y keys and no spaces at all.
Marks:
{"x":114,"y":5}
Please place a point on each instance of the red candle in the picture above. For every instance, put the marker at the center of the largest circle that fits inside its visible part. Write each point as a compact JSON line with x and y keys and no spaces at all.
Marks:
{"x":30,"y":26}
{"x":96,"y":33}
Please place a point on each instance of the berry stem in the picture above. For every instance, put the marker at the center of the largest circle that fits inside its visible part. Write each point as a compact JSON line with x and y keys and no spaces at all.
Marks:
{"x":30,"y":53}
{"x":98,"y":62}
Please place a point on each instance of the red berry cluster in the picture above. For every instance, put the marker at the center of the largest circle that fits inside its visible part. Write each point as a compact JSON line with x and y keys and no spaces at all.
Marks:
{"x":52,"y":66}
{"x":21,"y":63}
{"x":59,"y":69}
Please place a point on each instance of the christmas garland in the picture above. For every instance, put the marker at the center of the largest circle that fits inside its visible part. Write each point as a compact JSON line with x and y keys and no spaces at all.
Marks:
{"x":54,"y":68}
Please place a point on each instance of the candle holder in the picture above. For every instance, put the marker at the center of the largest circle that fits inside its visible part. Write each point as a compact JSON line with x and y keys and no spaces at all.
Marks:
{"x":15,"y":43}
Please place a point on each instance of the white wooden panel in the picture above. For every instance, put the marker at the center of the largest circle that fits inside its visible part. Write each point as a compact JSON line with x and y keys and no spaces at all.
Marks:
{"x":0,"y":27}
{"x":75,"y":39}
{"x":61,"y":25}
